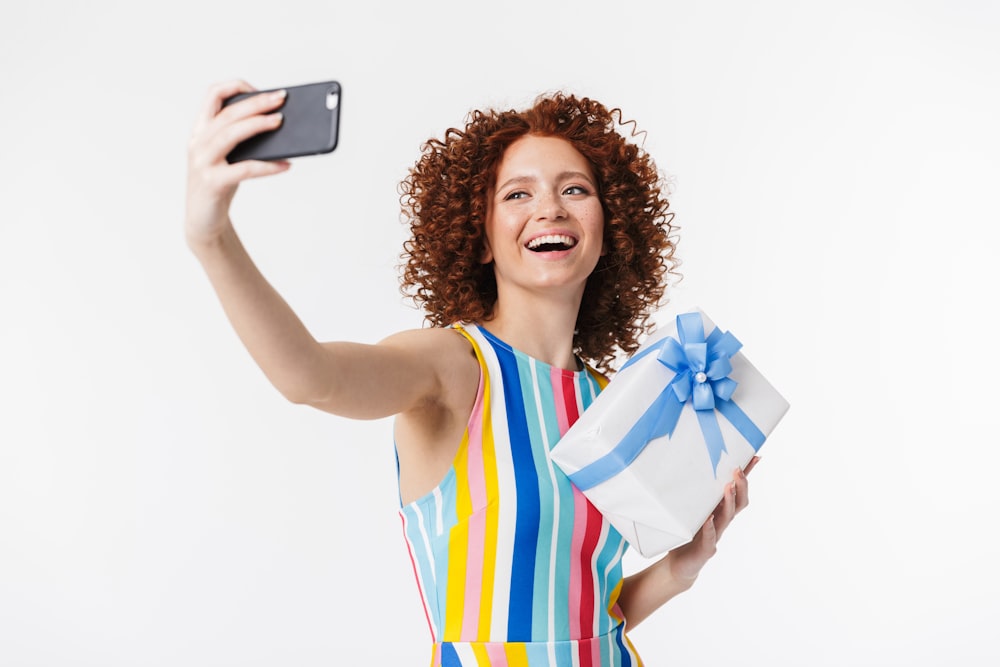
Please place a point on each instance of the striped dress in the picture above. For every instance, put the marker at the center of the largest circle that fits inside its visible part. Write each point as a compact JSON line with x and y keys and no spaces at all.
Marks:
{"x":514,"y":565}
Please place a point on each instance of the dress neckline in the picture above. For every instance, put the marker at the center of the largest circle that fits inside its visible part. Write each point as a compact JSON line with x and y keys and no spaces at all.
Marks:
{"x":565,"y":372}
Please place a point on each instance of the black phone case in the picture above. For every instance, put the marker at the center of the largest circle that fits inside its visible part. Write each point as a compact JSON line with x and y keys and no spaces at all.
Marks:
{"x":310,"y":124}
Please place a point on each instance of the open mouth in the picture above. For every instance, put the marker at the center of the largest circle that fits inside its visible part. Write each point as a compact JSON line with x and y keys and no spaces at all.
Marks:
{"x":551,"y":243}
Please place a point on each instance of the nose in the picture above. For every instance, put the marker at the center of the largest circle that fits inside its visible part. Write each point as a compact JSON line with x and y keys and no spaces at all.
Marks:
{"x":550,"y":207}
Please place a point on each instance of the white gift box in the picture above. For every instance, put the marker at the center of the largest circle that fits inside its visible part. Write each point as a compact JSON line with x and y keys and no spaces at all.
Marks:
{"x":658,"y":492}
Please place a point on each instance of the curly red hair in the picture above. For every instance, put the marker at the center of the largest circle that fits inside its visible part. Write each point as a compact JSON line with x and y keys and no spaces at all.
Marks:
{"x":444,"y":200}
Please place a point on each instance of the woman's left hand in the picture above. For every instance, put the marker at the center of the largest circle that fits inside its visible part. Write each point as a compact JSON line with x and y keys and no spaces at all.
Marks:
{"x":686,"y":562}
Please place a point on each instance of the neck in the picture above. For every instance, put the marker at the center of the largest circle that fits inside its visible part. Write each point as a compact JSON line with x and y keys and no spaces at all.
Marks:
{"x":541,"y":327}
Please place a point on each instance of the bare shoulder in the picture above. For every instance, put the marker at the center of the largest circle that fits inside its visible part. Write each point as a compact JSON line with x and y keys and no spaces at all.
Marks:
{"x":446,"y":354}
{"x":441,"y":347}
{"x":432,"y":339}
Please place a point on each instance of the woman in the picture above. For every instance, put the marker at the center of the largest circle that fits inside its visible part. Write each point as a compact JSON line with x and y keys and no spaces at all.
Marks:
{"x":539,"y":239}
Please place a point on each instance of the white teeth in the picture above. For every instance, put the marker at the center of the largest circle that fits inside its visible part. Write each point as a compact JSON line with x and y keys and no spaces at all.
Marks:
{"x":568,"y":241}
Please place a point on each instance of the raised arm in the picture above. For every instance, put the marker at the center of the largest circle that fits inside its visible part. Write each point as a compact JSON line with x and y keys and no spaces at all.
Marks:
{"x":349,"y":379}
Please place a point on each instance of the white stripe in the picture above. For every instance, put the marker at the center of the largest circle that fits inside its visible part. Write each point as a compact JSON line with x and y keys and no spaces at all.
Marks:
{"x":438,"y":517}
{"x":466,"y":656}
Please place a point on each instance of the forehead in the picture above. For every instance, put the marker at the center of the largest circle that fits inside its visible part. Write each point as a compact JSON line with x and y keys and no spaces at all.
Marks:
{"x":535,"y":155}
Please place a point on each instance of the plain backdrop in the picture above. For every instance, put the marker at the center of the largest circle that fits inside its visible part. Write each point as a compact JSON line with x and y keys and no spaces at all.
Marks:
{"x":834,"y":168}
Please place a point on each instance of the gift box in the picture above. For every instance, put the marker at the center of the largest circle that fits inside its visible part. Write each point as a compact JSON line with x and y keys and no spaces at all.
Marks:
{"x":656,"y":449}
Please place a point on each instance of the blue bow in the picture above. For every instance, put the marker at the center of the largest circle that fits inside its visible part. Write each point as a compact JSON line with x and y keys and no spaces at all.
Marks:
{"x":701,"y":368}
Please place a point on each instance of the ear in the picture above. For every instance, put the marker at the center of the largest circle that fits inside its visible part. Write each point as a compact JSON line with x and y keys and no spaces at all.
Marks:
{"x":487,"y":256}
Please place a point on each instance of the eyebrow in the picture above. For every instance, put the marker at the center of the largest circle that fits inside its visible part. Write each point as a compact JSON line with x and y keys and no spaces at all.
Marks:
{"x":562,"y":176}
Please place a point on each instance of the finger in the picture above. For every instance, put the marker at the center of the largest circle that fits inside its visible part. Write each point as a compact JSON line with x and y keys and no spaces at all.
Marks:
{"x":750,"y":466}
{"x":704,"y":540}
{"x":709,"y":535}
{"x":252,"y":106}
{"x":742,"y":489}
{"x":219,"y":92}
{"x":726,"y":510}
{"x":224,"y":141}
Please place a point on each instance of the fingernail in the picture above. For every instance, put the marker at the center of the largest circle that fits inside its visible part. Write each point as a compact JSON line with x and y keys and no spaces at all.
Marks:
{"x":279,"y":94}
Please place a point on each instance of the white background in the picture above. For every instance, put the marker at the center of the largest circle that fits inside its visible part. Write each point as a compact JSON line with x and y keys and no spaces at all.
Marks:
{"x":835,"y":170}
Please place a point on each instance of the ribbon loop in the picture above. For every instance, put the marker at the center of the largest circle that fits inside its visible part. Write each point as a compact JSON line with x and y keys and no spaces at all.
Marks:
{"x":696,"y":355}
{"x":690,"y":328}
{"x":701,"y":366}
{"x":704,"y":398}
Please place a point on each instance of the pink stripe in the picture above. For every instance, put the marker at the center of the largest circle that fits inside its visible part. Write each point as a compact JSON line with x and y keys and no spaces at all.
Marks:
{"x":477,"y":476}
{"x":560,"y":400}
{"x":477,"y":523}
{"x":575,"y":566}
{"x":474,"y":577}
{"x":497,"y":655}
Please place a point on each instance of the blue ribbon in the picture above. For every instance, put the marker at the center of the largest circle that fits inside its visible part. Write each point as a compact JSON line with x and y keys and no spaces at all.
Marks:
{"x":702,"y":367}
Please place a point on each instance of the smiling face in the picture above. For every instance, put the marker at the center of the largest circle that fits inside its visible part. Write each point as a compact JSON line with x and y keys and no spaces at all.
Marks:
{"x":544,"y":222}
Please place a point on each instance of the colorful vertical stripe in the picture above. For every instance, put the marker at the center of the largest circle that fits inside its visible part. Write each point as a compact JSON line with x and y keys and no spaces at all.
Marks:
{"x":514,"y":565}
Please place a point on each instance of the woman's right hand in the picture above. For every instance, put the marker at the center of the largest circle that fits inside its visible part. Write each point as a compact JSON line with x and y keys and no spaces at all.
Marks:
{"x":212,"y":181}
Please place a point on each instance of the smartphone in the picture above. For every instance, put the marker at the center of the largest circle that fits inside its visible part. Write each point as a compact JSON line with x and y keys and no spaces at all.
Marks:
{"x":310,"y":124}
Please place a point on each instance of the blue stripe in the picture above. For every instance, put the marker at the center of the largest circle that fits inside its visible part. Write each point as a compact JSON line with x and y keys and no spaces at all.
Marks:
{"x":623,"y":652}
{"x":522,"y":574}
{"x":449,"y":656}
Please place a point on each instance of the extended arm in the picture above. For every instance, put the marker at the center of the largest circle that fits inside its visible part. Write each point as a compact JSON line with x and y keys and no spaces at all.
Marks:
{"x":646,"y":591}
{"x":354,"y":380}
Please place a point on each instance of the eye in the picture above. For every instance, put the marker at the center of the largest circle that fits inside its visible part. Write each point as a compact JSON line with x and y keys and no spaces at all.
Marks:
{"x":576,"y":190}
{"x":516,"y":194}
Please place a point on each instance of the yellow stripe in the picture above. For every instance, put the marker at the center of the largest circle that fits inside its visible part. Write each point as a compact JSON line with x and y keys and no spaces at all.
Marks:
{"x":631,"y":648}
{"x":517,"y":654}
{"x":602,"y":381}
{"x":458,"y":545}
{"x":482,"y":657}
